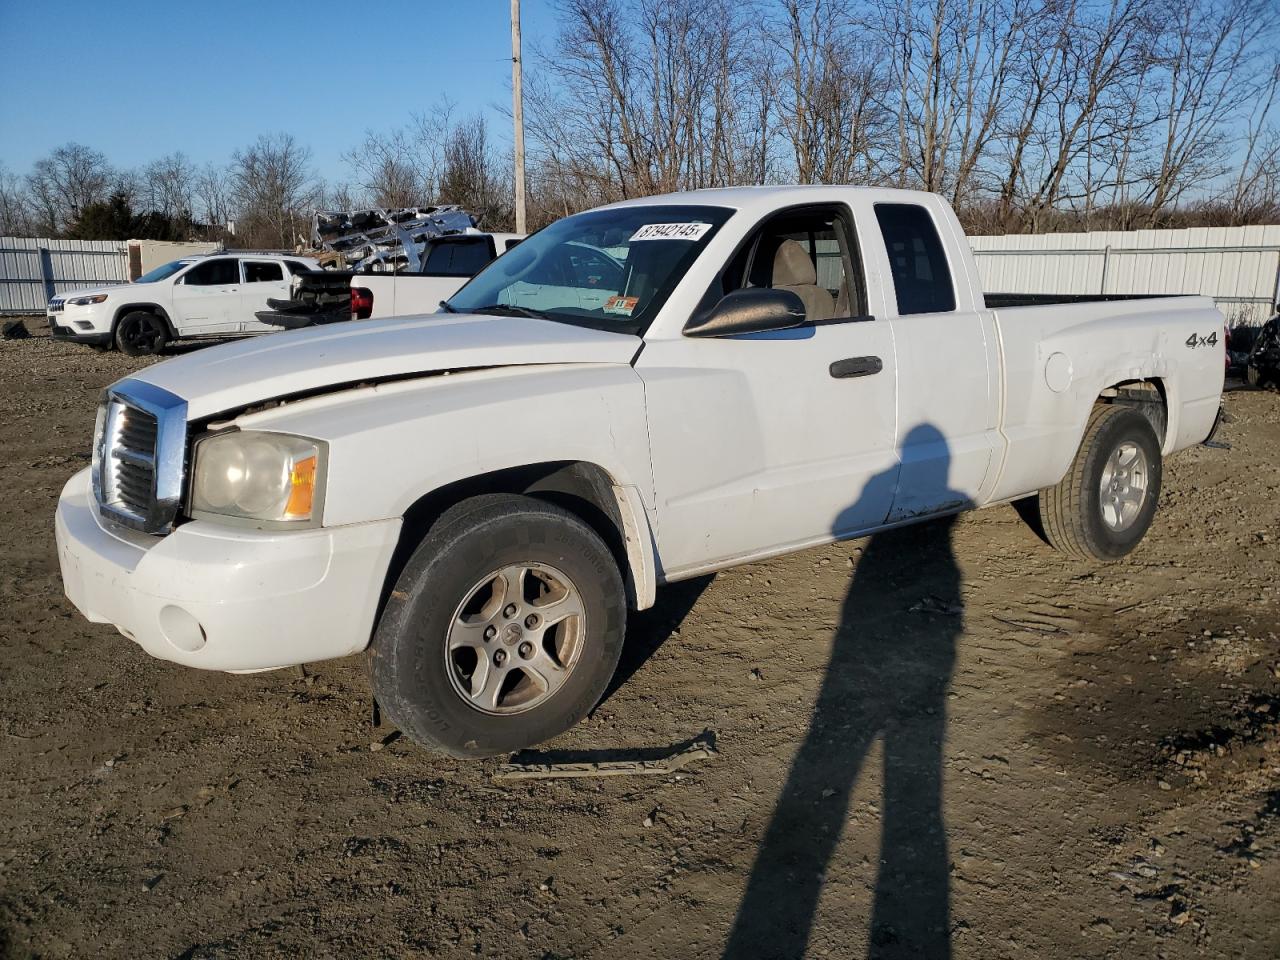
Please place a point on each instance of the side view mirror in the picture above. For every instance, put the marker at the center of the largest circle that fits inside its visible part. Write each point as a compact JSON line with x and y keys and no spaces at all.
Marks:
{"x":752,"y":310}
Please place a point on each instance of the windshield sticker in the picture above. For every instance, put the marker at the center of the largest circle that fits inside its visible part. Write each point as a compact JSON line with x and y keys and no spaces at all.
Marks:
{"x":621,"y":305}
{"x":671,"y":231}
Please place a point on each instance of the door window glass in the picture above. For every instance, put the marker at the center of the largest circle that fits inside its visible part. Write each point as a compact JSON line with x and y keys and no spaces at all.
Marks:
{"x":214,"y":273}
{"x":262,"y":271}
{"x":921,"y":277}
{"x":807,"y":252}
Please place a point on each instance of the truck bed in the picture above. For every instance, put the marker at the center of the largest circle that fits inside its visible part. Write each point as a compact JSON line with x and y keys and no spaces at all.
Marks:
{"x":995,"y":300}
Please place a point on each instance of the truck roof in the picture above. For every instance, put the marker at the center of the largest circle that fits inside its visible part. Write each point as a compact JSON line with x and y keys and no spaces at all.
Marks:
{"x":770,"y":197}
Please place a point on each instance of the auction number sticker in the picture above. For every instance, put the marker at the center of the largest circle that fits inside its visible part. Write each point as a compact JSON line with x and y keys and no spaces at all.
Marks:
{"x":671,"y":231}
{"x":621,"y":305}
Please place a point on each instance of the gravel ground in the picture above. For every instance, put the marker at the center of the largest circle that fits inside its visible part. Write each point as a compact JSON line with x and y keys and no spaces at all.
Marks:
{"x":948,"y":738}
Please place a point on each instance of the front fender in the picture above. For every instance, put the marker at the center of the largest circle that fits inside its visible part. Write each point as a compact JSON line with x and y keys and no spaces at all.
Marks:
{"x":392,"y":443}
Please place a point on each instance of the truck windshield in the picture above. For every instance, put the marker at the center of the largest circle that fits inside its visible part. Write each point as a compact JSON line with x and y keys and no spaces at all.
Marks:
{"x":605,"y":269}
{"x":161,"y":272}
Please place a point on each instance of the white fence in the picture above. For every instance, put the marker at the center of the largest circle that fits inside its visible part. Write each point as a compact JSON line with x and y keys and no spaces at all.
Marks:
{"x":33,"y":270}
{"x":1238,"y":266}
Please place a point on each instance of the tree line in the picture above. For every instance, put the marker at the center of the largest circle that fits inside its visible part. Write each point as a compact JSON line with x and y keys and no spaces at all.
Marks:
{"x":1028,"y":115}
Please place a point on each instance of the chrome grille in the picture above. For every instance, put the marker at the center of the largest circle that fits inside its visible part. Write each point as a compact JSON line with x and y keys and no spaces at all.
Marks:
{"x":139,"y":455}
{"x":55,"y":305}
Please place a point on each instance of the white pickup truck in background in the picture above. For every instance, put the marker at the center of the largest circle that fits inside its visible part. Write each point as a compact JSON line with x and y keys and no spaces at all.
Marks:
{"x":322,"y":297}
{"x":448,"y":263}
{"x":477,"y":498}
{"x":209,"y":296}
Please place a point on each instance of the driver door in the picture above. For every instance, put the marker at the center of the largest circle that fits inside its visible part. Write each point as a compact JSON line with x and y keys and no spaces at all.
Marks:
{"x":766,"y":442}
{"x":206,"y":299}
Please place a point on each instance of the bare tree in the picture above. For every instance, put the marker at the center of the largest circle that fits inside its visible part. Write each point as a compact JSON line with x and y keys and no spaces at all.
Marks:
{"x":469,"y":175}
{"x":213,"y":192}
{"x":168,"y":187}
{"x":1207,"y":53}
{"x":1255,"y":192}
{"x":15,"y":208}
{"x":273,"y":189}
{"x":829,"y":93}
{"x":63,"y":183}
{"x":389,"y":170}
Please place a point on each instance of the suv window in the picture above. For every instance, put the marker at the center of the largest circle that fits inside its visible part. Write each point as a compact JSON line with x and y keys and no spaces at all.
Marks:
{"x":297,"y":266}
{"x":808,"y":252}
{"x":921,"y":277}
{"x":458,"y":258}
{"x":214,"y":273}
{"x":262,"y":271}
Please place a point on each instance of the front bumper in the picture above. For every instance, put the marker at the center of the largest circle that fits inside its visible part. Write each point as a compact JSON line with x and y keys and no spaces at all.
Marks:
{"x":60,"y":331}
{"x":221,"y":598}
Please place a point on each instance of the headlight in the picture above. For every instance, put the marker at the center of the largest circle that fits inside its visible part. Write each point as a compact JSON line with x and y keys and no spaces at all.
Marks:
{"x":271,"y":478}
{"x":85,"y":301}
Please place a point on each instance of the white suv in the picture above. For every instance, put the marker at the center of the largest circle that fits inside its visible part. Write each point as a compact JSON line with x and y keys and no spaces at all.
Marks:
{"x":194,"y":297}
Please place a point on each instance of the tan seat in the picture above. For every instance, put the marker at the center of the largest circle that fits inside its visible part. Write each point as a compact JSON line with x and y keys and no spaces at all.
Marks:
{"x":794,"y":271}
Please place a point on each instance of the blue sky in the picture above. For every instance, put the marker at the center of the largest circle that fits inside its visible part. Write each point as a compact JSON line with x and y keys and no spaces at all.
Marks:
{"x":139,"y":79}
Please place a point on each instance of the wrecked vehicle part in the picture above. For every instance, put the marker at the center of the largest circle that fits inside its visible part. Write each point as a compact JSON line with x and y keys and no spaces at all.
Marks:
{"x":373,"y":239}
{"x":1262,"y":368}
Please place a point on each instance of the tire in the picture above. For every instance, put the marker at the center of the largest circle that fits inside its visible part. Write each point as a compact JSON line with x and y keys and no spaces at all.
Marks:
{"x":436,"y":690}
{"x":1076,"y":518}
{"x":141,"y":334}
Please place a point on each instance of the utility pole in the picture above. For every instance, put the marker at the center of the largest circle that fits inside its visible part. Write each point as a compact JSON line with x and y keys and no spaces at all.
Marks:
{"x":517,"y":110}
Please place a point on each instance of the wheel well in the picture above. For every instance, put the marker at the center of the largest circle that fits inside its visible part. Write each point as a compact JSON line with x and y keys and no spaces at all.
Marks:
{"x":1148,"y":397}
{"x":153,"y":308}
{"x":583,"y":489}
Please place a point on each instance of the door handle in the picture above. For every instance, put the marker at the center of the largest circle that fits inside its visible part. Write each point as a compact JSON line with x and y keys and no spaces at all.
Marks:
{"x":856,"y":367}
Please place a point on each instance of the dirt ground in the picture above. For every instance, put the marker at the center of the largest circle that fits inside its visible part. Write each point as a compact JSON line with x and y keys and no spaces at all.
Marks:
{"x":944,"y":740}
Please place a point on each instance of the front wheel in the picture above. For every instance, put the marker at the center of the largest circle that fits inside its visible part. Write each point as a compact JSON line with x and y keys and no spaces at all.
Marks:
{"x":141,"y":334}
{"x":1104,"y":505}
{"x":503,"y":630}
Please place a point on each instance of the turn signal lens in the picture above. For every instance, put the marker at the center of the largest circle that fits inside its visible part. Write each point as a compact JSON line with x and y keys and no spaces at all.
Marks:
{"x":302,"y":489}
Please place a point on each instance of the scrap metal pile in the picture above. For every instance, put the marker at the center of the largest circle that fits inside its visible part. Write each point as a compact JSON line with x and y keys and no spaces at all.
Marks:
{"x":384,"y":241}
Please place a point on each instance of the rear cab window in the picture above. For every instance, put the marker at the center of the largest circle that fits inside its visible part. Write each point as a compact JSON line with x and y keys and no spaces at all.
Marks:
{"x":458,"y":257}
{"x":917,"y":260}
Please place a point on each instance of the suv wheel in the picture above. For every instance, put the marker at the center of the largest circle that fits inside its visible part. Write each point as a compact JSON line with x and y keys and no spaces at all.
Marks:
{"x":503,"y":630}
{"x":141,"y":334}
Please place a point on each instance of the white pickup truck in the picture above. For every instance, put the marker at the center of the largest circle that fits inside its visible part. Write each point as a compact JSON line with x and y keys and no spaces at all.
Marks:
{"x":448,"y":263}
{"x":477,"y":498}
{"x":210,"y":296}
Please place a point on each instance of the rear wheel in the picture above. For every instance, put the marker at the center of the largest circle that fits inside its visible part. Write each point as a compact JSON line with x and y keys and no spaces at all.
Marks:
{"x":503,"y":630}
{"x":1103,"y":507}
{"x":141,"y":334}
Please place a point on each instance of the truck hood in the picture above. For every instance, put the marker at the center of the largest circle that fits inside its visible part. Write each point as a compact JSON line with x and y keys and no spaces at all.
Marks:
{"x":240,"y":374}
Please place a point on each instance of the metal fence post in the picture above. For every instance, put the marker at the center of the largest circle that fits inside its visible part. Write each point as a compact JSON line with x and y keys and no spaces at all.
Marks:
{"x":45,"y":263}
{"x":1106,"y":259}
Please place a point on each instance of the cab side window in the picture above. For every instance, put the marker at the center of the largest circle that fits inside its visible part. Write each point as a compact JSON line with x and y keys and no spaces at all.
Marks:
{"x":921,"y":276}
{"x":214,"y":273}
{"x":808,"y":252}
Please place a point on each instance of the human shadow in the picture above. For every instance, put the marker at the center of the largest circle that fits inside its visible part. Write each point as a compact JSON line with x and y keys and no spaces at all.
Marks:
{"x":887,"y":680}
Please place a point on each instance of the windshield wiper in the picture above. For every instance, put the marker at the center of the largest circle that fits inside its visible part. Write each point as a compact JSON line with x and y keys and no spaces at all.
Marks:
{"x":510,"y":310}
